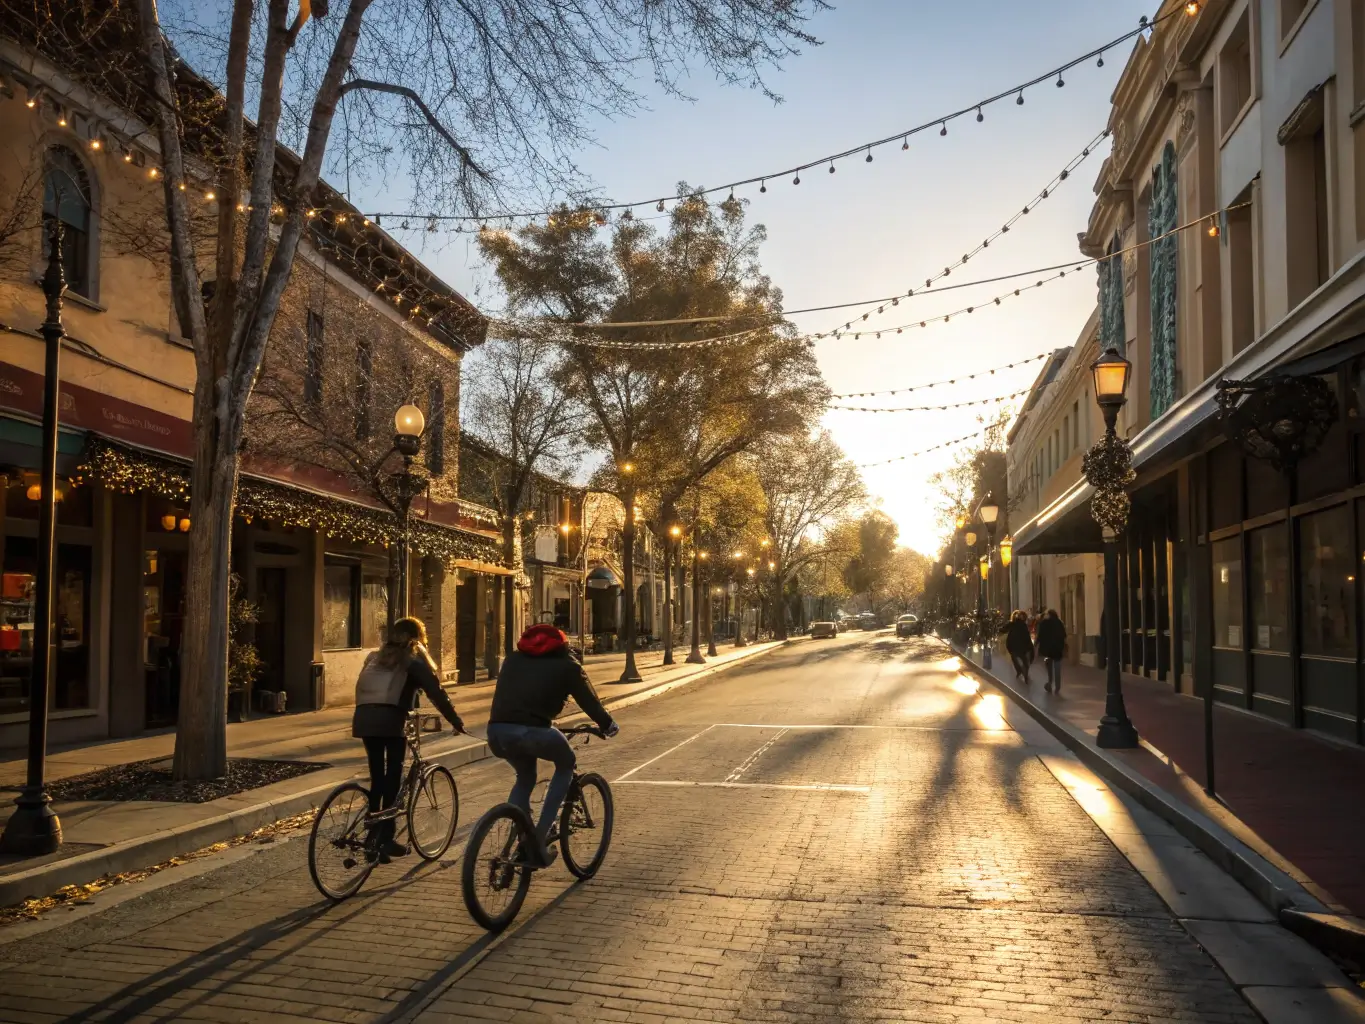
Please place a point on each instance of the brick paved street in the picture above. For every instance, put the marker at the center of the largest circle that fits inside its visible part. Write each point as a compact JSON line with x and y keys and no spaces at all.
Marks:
{"x":844,"y":832}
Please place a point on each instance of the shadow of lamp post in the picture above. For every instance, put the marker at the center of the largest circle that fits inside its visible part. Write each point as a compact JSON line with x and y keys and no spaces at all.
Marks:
{"x":1108,"y":467}
{"x":989,"y":511}
{"x":34,"y":829}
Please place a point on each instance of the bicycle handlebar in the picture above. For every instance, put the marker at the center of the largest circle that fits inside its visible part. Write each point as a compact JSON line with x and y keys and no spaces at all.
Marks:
{"x":584,"y":730}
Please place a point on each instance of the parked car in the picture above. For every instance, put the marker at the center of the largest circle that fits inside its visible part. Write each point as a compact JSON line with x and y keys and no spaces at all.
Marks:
{"x":908,"y":625}
{"x":840,"y":624}
{"x":868,"y":621}
{"x":823,"y":630}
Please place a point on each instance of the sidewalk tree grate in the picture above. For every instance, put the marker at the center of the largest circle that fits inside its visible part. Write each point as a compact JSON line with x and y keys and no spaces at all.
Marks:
{"x":151,"y":780}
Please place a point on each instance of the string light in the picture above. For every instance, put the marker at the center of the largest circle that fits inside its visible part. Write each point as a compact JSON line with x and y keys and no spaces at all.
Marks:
{"x":925,"y":451}
{"x":932,"y":408}
{"x":941,"y":383}
{"x":1047,"y":190}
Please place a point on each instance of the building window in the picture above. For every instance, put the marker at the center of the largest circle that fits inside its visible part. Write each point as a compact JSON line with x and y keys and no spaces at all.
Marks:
{"x":355,"y":604}
{"x":1304,"y":137}
{"x":1235,"y":75}
{"x":67,"y":198}
{"x":364,"y":387}
{"x":1113,"y":332}
{"x":1268,"y":563}
{"x":1227,"y":593}
{"x":1290,"y":13}
{"x":436,"y":427}
{"x":1328,"y":612}
{"x":340,"y":605}
{"x":313,"y":353}
{"x":1239,"y":251}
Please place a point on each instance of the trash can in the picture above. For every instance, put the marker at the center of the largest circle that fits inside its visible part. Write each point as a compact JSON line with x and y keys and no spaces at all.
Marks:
{"x":318,"y":678}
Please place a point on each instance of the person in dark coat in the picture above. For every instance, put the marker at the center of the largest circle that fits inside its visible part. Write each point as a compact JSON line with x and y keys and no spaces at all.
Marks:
{"x":405,"y":669}
{"x":1052,"y":648}
{"x":1019,"y":644}
{"x":533,"y":684}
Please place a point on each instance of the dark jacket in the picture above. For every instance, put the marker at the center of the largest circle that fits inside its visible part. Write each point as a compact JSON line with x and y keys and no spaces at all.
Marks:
{"x":1017,"y":639}
{"x":532,"y":690}
{"x":387,"y":719}
{"x":1051,"y":637}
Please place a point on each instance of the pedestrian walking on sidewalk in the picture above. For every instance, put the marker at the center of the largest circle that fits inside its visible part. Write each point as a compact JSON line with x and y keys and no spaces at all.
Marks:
{"x":1019,"y":644}
{"x":384,"y":694}
{"x":1052,"y":648}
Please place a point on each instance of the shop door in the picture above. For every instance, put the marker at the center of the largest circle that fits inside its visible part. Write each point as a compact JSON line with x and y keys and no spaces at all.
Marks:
{"x":466,"y":629}
{"x":270,"y":628}
{"x":163,"y":617}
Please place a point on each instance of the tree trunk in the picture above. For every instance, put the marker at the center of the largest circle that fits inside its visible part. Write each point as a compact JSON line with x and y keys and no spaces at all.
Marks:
{"x":629,"y":674}
{"x":201,"y":729}
{"x":668,"y":601}
{"x":779,"y":602}
{"x":509,"y":597}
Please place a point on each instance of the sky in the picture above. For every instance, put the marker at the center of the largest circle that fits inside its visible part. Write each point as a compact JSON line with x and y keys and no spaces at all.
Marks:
{"x":878,"y":229}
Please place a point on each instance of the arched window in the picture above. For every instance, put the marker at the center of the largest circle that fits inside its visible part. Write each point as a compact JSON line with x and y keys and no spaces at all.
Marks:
{"x":67,"y":198}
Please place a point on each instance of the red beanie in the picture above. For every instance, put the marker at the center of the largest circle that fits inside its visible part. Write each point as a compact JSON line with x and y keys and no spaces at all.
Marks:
{"x":540,"y":640}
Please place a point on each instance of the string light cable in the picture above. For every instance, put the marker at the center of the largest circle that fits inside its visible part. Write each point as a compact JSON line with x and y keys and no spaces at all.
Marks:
{"x":994,"y":400}
{"x":941,"y":383}
{"x":926,"y":451}
{"x":1016,"y":92}
{"x":1038,"y":198}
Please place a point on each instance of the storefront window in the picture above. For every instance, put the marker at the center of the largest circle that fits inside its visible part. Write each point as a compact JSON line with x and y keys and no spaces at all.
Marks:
{"x":374,"y":608}
{"x":1227,"y":593}
{"x":71,"y":602}
{"x":1269,"y":565}
{"x":340,"y":611}
{"x":1328,"y":592}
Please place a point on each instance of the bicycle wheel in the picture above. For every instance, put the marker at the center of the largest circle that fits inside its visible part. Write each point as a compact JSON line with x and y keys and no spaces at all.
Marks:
{"x":433,"y":811}
{"x":585,"y":825}
{"x":495,"y":874}
{"x":336,"y":846}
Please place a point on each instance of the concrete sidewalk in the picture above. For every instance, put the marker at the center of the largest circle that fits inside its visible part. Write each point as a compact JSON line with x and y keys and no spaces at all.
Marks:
{"x":103,"y":837}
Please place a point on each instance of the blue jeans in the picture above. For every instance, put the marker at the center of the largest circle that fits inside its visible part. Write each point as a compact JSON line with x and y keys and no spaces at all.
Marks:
{"x":521,"y":746}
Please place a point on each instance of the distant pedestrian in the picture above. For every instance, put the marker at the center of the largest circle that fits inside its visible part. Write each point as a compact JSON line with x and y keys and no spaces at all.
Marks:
{"x":1052,"y":648}
{"x":1019,"y":644}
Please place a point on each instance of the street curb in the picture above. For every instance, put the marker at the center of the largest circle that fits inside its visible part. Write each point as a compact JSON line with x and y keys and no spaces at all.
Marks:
{"x":157,"y":847}
{"x":1276,"y":890}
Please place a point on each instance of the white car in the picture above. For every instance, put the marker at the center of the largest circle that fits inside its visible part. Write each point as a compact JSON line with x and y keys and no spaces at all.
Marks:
{"x":827,"y":630}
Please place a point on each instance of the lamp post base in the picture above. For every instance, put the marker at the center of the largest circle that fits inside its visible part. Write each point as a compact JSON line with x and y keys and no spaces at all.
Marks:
{"x":33,"y":830}
{"x":1116,"y":733}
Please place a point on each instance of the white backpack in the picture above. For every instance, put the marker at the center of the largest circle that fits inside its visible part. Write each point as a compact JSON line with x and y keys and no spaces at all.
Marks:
{"x":380,"y":685}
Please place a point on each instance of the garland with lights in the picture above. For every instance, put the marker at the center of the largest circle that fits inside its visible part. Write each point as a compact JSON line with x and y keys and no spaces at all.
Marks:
{"x":129,"y":472}
{"x":1108,"y":467}
{"x":940,"y":383}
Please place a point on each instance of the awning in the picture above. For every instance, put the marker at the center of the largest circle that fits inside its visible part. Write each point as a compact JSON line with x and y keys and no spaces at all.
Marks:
{"x":602,"y":578}
{"x":1332,"y":319}
{"x":487,"y":568}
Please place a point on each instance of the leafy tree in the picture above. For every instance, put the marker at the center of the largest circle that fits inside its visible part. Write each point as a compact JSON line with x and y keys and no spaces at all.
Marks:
{"x":907,"y":579}
{"x":665,"y":415}
{"x":868,"y":570}
{"x":807,"y":482}
{"x":483,"y":99}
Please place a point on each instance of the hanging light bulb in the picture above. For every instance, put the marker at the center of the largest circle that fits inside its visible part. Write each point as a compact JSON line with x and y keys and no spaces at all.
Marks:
{"x":1060,"y":83}
{"x":905,"y":144}
{"x":1192,"y":8}
{"x":869,"y":154}
{"x":763,"y":186}
{"x":944,"y":129}
{"x":797,"y":179}
{"x":979,"y":116}
{"x":1100,"y":63}
{"x":660,"y":207}
{"x":1020,"y":100}
{"x":831,"y":167}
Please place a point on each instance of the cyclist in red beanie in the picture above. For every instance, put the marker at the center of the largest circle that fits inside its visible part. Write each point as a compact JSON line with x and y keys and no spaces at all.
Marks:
{"x":533,"y":685}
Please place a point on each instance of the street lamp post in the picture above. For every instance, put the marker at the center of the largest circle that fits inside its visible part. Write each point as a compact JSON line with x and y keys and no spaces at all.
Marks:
{"x":408,"y":424}
{"x":1108,"y":468}
{"x":34,"y":829}
{"x":735,"y":606}
{"x":989,"y":511}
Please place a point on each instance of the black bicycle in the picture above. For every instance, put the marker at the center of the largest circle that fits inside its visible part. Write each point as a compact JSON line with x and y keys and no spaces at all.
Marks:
{"x":500,"y":857}
{"x":342,"y":850}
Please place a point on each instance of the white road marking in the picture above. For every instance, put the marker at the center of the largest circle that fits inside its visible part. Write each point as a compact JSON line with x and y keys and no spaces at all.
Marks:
{"x":664,"y":754}
{"x":748,"y":762}
{"x":760,"y":725}
{"x":809,"y":786}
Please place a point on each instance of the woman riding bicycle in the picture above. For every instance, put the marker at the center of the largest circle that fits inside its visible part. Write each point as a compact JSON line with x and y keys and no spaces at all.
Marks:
{"x":533,"y":684}
{"x":384,"y":694}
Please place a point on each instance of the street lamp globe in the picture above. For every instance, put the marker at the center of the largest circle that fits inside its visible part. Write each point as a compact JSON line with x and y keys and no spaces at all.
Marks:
{"x":985,"y":566}
{"x":971,"y":538}
{"x":675,"y":531}
{"x":1111,"y":372}
{"x":947,"y":569}
{"x":989,"y":510}
{"x":1006,"y":550}
{"x":408,"y":421}
{"x":750,"y":570}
